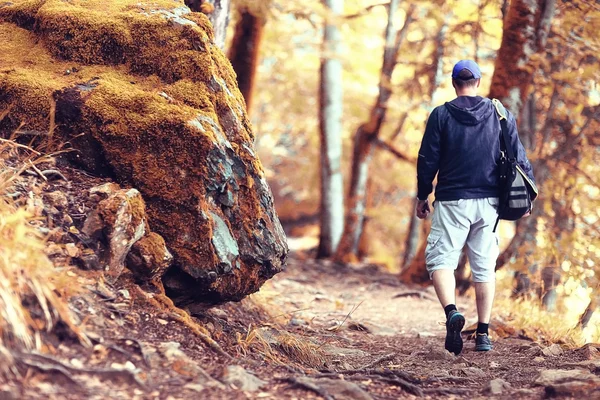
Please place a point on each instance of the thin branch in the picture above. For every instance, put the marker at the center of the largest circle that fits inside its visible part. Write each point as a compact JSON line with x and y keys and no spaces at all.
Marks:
{"x":387,"y":146}
{"x":399,"y":127}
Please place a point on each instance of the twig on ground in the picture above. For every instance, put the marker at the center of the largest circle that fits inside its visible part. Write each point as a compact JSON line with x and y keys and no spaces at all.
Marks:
{"x":457,"y":379}
{"x":405,"y":385}
{"x":54,"y":172}
{"x":50,"y":368}
{"x":381,"y":359}
{"x":447,"y":391}
{"x":50,"y":363}
{"x":309,"y":386}
{"x":140,"y":347}
{"x":397,"y":378}
{"x":21,"y":146}
{"x":37,"y":171}
{"x":416,"y":293}
{"x":337,"y":328}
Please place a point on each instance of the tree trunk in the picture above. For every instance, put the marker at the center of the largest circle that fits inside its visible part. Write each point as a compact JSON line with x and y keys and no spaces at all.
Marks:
{"x":412,"y":238}
{"x":414,"y":231}
{"x":366,"y":137}
{"x":218,"y":14}
{"x":415,"y":272}
{"x":330,"y":123}
{"x":589,"y":311}
{"x":526,"y":29}
{"x":244,"y":51}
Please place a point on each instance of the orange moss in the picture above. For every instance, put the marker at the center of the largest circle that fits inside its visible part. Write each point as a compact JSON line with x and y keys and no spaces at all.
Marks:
{"x":141,"y":90}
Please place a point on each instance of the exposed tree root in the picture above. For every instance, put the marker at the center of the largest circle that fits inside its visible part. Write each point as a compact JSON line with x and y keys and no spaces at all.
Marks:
{"x":48,"y":363}
{"x":309,"y":386}
{"x":162,"y":301}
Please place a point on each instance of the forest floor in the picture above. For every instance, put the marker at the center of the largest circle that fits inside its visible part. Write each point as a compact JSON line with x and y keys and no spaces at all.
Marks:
{"x":317,"y":330}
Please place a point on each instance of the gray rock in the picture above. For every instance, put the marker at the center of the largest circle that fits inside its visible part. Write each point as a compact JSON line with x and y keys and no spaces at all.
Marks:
{"x":242,"y":379}
{"x":438,"y":353}
{"x":57,"y":199}
{"x":553,"y":351}
{"x":469,"y":372}
{"x":338,"y":389}
{"x":559,"y":376}
{"x":497,"y":386}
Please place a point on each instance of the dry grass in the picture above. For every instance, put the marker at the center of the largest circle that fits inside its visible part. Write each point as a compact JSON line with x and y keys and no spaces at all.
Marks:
{"x":540,"y":325}
{"x":280,"y":347}
{"x":271,"y":340}
{"x":32,"y":291}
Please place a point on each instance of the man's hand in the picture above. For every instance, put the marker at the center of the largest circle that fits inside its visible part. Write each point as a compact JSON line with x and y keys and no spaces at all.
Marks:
{"x":423,"y":209}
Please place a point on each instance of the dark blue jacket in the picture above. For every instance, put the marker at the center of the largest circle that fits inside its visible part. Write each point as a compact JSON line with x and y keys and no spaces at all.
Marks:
{"x":462,"y":146}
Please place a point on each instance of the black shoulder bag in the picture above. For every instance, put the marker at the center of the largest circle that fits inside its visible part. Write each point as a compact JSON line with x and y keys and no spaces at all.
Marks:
{"x":517,"y":191}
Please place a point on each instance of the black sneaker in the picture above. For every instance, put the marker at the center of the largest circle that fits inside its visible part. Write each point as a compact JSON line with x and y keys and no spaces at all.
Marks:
{"x":454,"y":325}
{"x":482,"y":342}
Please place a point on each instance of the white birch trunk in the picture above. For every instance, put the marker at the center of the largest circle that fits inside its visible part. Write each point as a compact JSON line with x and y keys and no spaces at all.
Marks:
{"x":330,"y":121}
{"x":220,"y":19}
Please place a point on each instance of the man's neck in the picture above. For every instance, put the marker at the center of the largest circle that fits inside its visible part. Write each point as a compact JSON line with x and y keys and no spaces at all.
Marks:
{"x":466,"y":92}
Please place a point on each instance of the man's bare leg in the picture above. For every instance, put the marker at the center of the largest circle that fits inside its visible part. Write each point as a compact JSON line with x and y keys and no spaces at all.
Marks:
{"x":484,"y":293}
{"x":444,"y":283}
{"x":445,"y":288}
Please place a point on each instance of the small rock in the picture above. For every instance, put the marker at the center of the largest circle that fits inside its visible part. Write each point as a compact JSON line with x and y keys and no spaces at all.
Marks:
{"x":72,"y":250}
{"x":559,"y":376}
{"x":8,"y":393}
{"x":171,"y":351}
{"x":494,"y":364}
{"x":497,"y":386}
{"x":241,"y":379}
{"x":470,"y":372}
{"x":437,"y":353}
{"x":297,"y":322}
{"x":217,"y":312}
{"x":52,"y":249}
{"x":369,"y":327}
{"x":76,"y":363}
{"x":592,"y":365}
{"x":57,"y":199}
{"x":88,"y":260}
{"x":539,"y":359}
{"x":196,"y":387}
{"x":67,"y":220}
{"x":149,"y":257}
{"x":533,"y":351}
{"x":554,"y":350}
{"x":425,"y":335}
{"x":162,"y":321}
{"x":590,"y":352}
{"x":337,"y":389}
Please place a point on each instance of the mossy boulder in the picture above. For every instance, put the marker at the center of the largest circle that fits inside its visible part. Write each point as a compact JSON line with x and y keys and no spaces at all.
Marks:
{"x":143,"y":95}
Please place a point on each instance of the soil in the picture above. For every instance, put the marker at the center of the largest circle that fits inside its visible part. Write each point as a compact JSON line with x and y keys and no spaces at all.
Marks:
{"x":317,"y":319}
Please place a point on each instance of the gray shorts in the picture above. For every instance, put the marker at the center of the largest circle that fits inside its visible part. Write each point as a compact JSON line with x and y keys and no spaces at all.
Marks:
{"x":459,"y":222}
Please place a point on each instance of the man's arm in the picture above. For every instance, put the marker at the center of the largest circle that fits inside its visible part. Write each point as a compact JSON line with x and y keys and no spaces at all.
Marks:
{"x":428,"y":162}
{"x":517,"y":146}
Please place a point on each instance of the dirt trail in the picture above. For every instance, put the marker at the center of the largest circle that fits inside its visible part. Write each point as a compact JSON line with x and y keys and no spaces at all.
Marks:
{"x":317,"y":330}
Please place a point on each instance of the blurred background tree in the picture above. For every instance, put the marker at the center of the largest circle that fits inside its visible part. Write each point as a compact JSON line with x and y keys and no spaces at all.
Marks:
{"x":539,"y":57}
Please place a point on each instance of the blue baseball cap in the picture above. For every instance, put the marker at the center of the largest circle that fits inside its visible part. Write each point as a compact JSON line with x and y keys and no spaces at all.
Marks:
{"x":469,"y":65}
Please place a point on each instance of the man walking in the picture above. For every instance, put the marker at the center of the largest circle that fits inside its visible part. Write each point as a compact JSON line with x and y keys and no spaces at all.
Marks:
{"x":461,"y":145}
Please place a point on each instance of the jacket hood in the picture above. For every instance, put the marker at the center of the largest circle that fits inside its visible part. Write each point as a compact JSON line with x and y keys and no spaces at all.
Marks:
{"x":470,"y":115}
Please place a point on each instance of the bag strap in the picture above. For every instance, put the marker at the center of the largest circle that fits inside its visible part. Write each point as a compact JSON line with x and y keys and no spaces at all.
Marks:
{"x":505,"y":142}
